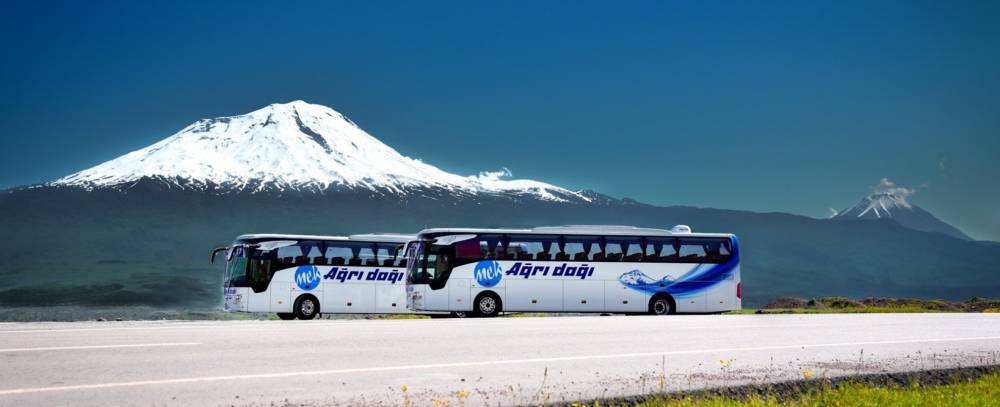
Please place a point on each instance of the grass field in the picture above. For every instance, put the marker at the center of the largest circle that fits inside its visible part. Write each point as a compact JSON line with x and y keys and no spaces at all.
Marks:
{"x":984,"y":391}
{"x":843,"y":305}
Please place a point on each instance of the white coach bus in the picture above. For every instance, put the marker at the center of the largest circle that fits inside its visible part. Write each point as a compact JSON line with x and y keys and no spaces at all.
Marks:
{"x":299,"y":276}
{"x":614,"y":269}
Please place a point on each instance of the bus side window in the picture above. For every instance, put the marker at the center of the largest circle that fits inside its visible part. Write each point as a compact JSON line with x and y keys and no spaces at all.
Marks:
{"x":613,"y":250}
{"x":632,"y":249}
{"x":400,"y":256}
{"x":368,"y":257}
{"x":579,"y":248}
{"x":660,"y":250}
{"x":718,"y":250}
{"x":693,"y":251}
{"x":386,"y":253}
{"x":549,"y":248}
{"x":490,"y":247}
{"x":524,"y":247}
{"x":599,"y":248}
{"x":468,"y":250}
{"x":338,"y":254}
{"x":288,"y":254}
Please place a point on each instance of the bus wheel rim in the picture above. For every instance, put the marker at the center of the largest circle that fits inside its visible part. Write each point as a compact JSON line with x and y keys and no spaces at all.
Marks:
{"x":307,"y":307}
{"x":660,"y":307}
{"x":486,"y":305}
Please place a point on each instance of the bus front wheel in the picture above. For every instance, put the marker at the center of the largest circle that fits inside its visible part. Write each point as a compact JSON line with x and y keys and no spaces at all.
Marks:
{"x":487,"y":305}
{"x":306,"y":307}
{"x":661,"y":305}
{"x":286,"y":316}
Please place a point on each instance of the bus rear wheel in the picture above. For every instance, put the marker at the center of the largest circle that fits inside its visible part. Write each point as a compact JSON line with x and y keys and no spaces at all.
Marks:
{"x":306,"y":307}
{"x":487,"y":305}
{"x":661,"y":305}
{"x":286,"y":316}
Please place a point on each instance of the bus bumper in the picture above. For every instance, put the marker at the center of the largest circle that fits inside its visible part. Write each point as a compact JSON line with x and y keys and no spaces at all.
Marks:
{"x":414,"y":297}
{"x":234,"y":300}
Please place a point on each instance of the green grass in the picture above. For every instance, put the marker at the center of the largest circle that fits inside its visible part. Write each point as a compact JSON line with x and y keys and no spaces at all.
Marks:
{"x":984,"y":391}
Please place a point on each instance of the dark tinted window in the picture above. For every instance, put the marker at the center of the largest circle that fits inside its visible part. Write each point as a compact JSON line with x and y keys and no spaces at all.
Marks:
{"x":661,"y":250}
{"x":490,"y":246}
{"x":532,"y":247}
{"x":705,"y":250}
{"x":581,"y":248}
{"x":623,"y":249}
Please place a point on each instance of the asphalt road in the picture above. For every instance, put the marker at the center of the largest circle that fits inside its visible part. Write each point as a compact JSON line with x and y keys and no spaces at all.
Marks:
{"x":464,"y":361}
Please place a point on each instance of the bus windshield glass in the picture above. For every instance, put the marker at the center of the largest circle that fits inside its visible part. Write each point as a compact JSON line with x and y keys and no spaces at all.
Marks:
{"x":236,"y":266}
{"x":433,"y":264}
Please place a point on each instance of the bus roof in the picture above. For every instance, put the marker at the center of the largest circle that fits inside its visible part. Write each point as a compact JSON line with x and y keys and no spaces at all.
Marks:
{"x":578,"y":230}
{"x":369,"y":237}
{"x":384,"y":237}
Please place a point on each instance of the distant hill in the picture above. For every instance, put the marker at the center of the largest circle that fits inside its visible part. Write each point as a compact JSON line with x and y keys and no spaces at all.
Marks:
{"x":138,"y":230}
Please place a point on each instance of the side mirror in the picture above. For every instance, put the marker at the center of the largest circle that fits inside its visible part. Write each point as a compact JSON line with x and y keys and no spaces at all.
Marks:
{"x":216,"y":251}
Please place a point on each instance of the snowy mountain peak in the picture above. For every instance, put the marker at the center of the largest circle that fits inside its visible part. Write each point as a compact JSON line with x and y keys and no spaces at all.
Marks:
{"x":885,"y":198}
{"x":293,"y":146}
{"x":889,"y":201}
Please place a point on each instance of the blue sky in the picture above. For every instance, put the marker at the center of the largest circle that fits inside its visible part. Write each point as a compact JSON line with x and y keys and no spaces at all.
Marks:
{"x":765,"y":106}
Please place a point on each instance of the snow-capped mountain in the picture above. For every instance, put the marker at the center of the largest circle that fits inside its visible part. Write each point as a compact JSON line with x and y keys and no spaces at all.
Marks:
{"x":888,"y":201}
{"x":294,"y":146}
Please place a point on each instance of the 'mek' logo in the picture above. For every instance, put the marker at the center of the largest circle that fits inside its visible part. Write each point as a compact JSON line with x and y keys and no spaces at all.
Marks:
{"x":307,"y":277}
{"x":487,"y":273}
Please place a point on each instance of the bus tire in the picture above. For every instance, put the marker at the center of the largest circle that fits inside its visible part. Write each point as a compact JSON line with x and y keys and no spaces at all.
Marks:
{"x":661,"y":304}
{"x":487,"y":305}
{"x":306,"y":307}
{"x":286,"y":316}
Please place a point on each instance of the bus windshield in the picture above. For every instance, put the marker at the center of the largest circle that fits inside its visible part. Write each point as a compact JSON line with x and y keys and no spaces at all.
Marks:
{"x":236,"y":266}
{"x":432,"y":265}
{"x":248,"y":267}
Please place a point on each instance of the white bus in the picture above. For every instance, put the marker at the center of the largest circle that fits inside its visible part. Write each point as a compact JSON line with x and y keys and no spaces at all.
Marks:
{"x":300,"y":276}
{"x":608,"y":269}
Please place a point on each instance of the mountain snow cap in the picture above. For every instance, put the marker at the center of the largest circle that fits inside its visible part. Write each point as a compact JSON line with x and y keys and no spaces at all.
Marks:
{"x":295,"y":146}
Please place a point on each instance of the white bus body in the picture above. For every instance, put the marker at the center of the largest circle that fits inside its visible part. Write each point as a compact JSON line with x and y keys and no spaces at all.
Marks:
{"x":300,"y":276}
{"x":616,"y":269}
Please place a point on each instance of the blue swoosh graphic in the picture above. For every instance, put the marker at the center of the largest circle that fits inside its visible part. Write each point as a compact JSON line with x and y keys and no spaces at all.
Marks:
{"x":700,"y":278}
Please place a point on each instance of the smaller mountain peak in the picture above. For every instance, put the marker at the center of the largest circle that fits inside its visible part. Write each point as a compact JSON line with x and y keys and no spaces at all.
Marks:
{"x":890,"y":201}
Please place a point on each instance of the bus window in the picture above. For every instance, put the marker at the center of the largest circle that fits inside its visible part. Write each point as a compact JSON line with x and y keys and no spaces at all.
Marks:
{"x":468,"y":249}
{"x":386,"y":254}
{"x":523,"y":248}
{"x":661,"y":250}
{"x":530,"y":247}
{"x":718,"y":250}
{"x":438,"y":266}
{"x":623,"y":249}
{"x":367,"y":254}
{"x":549,"y":248}
{"x":288,"y":254}
{"x":490,"y":247}
{"x":318,"y":255}
{"x":580,"y":248}
{"x":400,"y":259}
{"x":338,"y":254}
{"x":705,"y":250}
{"x":236,"y":268}
{"x":613,"y":250}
